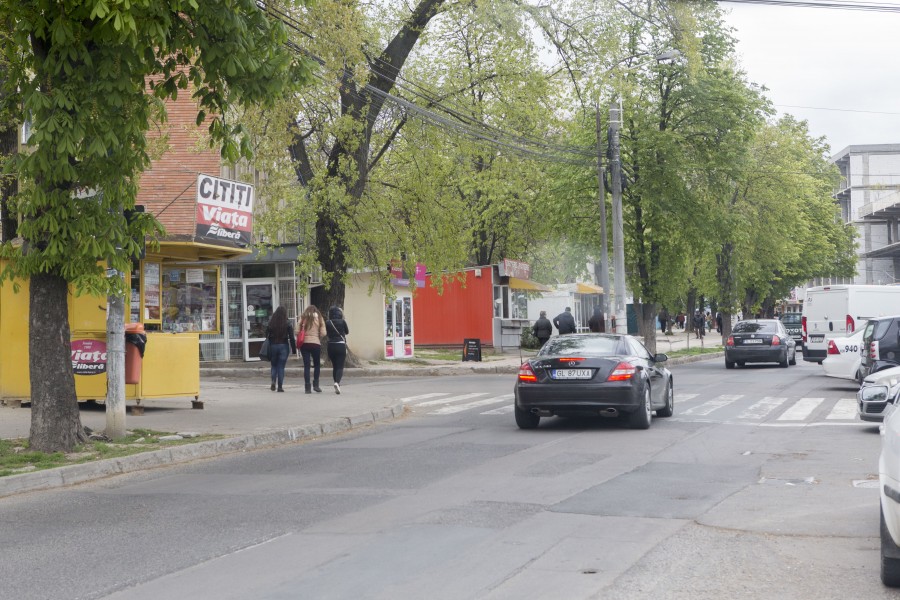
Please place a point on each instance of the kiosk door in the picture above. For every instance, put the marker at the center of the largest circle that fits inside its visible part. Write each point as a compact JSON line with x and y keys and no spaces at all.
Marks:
{"x":398,"y":319}
{"x":259,"y":304}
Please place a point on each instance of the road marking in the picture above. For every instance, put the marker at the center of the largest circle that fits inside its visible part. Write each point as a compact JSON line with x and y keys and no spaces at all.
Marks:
{"x":456,"y":408}
{"x":801,"y":409}
{"x":708,"y":407}
{"x":762,"y":408}
{"x":685,"y":397}
{"x":844,"y":409}
{"x":451,"y":399}
{"x":503,"y":410}
{"x":423,"y":397}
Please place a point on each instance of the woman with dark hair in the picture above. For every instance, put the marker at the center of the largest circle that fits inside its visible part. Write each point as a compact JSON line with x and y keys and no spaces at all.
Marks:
{"x":281,"y":343}
{"x":337,"y":330}
{"x":312,"y":324}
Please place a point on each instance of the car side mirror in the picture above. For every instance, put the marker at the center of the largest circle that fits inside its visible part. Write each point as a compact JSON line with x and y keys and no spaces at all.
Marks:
{"x":874,"y":393}
{"x":661,"y":357}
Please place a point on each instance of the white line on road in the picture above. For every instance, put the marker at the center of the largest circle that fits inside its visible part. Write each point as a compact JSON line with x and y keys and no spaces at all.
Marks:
{"x":423,"y":397}
{"x":845,"y":409}
{"x":451,"y":399}
{"x":801,"y":410}
{"x":449,"y":410}
{"x":708,"y":407}
{"x":503,"y":410}
{"x":759,"y":410}
{"x":685,"y":397}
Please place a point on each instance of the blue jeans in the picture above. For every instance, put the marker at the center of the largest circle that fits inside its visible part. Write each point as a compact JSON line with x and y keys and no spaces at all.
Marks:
{"x":278,"y":356}
{"x":311,"y":352}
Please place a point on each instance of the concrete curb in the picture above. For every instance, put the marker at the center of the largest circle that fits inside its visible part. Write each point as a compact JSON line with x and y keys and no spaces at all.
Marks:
{"x":75,"y":474}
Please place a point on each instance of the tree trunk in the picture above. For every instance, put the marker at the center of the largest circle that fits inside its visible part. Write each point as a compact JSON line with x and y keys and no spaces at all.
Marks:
{"x":115,"y":368}
{"x":55,"y":420}
{"x":647,"y":319}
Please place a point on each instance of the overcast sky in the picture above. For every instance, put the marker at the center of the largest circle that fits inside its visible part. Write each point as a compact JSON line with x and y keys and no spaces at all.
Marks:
{"x":831,"y":59}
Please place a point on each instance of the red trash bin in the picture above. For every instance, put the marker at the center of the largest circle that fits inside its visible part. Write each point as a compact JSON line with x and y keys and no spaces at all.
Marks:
{"x":133,"y":354}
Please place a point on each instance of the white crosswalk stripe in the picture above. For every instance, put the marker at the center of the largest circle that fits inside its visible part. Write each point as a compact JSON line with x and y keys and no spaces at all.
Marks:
{"x":708,"y":407}
{"x":762,"y":408}
{"x":423,"y":397}
{"x":503,"y":410}
{"x":684,"y":397}
{"x":451,"y":399}
{"x":844,"y":409}
{"x":456,"y":408}
{"x":801,"y":409}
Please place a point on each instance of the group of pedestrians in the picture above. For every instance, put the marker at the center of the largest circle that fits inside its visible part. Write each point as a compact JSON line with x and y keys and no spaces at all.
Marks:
{"x":565,"y":324}
{"x":313,"y":330}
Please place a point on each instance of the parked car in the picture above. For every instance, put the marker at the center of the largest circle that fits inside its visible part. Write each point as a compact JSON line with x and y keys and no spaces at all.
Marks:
{"x":594,"y":374}
{"x":870,"y":405}
{"x":881,"y":345}
{"x":760,"y":340}
{"x":889,"y":488}
{"x":793,"y":324}
{"x":843,"y":357}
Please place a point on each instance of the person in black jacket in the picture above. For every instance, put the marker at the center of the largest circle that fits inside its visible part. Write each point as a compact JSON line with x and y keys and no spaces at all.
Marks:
{"x":565,"y":322}
{"x":597,"y":323}
{"x":337,"y":330}
{"x":542,"y":328}
{"x":280,"y":334}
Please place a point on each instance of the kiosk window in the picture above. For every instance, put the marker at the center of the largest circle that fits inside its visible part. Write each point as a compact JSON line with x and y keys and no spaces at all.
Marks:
{"x":190,"y":299}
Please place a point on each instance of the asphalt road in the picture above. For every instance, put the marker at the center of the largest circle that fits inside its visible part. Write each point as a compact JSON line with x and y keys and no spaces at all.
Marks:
{"x":760,"y":486}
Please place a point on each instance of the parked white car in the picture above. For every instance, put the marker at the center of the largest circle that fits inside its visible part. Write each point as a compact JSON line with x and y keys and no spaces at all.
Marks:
{"x":889,"y":485}
{"x":843,"y":356}
{"x":872,"y":405}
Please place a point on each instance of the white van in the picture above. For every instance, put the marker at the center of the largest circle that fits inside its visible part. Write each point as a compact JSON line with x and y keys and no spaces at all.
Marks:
{"x":838,"y":310}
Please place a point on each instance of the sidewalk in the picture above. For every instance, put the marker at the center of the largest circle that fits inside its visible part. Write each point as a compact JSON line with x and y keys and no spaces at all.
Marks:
{"x":239,"y":404}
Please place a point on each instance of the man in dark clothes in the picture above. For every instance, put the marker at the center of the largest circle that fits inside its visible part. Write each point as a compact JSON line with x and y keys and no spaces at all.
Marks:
{"x":565,"y":322}
{"x":542,"y":328}
{"x":597,"y":323}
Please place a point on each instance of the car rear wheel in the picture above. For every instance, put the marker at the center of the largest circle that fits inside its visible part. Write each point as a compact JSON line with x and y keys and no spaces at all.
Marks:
{"x":890,"y":567}
{"x":793,"y":360}
{"x":783,"y":363}
{"x":640,"y":418}
{"x":526,"y":420}
{"x":669,"y":409}
{"x":729,"y":364}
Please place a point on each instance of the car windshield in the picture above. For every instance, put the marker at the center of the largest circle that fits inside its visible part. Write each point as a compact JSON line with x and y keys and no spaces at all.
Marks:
{"x":755,"y":327}
{"x":569,"y":345}
{"x":792,"y":319}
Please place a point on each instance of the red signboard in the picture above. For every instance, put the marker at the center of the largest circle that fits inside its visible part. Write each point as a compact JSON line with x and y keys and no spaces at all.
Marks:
{"x":88,"y":357}
{"x":224,"y":209}
{"x":514,"y":268}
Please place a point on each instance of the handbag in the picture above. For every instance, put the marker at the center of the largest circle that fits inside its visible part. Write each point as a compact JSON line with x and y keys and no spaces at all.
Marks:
{"x":300,"y":337}
{"x":264,"y":350}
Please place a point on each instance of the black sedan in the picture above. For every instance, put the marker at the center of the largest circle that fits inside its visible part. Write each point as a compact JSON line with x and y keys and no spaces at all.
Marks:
{"x":594,"y":374}
{"x":760,"y":340}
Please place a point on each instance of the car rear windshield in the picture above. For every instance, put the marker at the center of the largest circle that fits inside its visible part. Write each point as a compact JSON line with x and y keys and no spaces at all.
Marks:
{"x":755,"y":327}
{"x":881,"y":328}
{"x":566,"y":345}
{"x":792,"y":319}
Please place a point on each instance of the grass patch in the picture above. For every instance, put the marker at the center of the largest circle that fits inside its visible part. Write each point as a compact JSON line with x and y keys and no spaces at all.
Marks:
{"x":692,"y":351}
{"x":16,"y":456}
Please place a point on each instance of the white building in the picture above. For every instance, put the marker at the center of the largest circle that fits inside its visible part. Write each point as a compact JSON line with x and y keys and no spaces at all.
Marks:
{"x":869,"y":197}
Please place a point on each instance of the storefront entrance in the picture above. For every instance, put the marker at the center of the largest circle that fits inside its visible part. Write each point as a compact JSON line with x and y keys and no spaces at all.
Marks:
{"x":398,"y":341}
{"x":259,"y":304}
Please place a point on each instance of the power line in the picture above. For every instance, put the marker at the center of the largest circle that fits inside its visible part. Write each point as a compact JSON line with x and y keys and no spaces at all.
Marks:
{"x":885,"y":7}
{"x":850,"y":110}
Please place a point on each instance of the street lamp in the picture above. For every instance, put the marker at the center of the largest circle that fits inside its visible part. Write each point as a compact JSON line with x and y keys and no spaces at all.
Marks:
{"x":615,"y":168}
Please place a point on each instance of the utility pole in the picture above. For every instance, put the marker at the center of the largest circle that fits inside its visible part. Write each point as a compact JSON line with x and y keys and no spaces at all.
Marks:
{"x":603,"y":280}
{"x":115,"y":365}
{"x":615,"y":167}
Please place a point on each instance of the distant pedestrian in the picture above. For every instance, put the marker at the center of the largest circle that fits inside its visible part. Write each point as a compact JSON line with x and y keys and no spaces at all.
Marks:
{"x":281,"y":344}
{"x":663,"y":319}
{"x":718,"y":322}
{"x":313,"y":327}
{"x":565,"y":322}
{"x":338,"y":330}
{"x":597,"y":323}
{"x":680,"y":319}
{"x":699,"y":323}
{"x":542,"y":328}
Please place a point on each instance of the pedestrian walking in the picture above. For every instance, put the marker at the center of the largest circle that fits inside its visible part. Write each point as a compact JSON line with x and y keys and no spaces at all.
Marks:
{"x":680,"y":319}
{"x":719,"y":323}
{"x":699,"y":323}
{"x":663,"y":318}
{"x":597,"y":322}
{"x":542,"y":328}
{"x":337,"y":329}
{"x":565,"y":322}
{"x":312,"y":328}
{"x":280,"y":334}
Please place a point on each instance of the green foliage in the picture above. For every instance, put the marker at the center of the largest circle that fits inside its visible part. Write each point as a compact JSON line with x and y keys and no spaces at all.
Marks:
{"x":80,"y":71}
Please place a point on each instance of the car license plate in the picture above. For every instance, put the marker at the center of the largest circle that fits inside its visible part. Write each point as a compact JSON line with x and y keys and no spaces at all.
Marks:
{"x":570,"y":373}
{"x":753,"y":341}
{"x":817,"y":338}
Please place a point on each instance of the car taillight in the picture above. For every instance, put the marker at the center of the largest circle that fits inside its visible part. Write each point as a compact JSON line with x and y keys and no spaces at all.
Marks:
{"x":526,"y":373}
{"x":803,"y":327}
{"x":730,"y":341}
{"x":873,"y":350}
{"x":851,"y":324}
{"x":832,"y":348}
{"x":622,"y":372}
{"x":776,"y":341}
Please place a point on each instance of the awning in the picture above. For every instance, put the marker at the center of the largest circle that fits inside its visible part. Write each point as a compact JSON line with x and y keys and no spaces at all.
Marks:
{"x":527,"y":284}
{"x":588,"y":288}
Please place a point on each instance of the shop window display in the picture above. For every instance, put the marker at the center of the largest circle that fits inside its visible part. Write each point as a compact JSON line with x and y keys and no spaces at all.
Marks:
{"x":190,"y":300}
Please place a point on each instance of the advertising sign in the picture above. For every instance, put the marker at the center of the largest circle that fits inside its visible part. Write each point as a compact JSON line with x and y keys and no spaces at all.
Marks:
{"x":88,"y":357}
{"x":514,"y":268}
{"x":224,"y":210}
{"x":400,"y":278}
